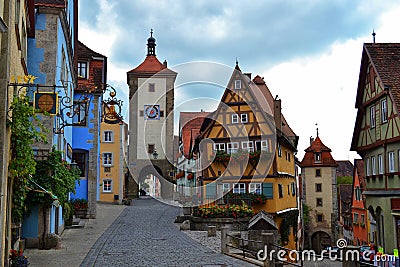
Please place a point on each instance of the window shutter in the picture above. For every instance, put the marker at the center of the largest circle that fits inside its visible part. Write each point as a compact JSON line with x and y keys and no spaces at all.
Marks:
{"x":211,"y":190}
{"x":268,"y":190}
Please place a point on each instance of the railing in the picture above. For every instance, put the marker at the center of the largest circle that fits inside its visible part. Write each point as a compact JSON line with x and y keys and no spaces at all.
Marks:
{"x":244,"y":245}
{"x":288,"y":251}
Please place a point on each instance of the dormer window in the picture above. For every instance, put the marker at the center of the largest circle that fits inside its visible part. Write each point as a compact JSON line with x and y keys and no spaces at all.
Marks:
{"x":384,"y":111}
{"x":317,"y":157}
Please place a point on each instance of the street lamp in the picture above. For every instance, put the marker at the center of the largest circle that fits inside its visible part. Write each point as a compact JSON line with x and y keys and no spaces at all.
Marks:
{"x":73,"y":165}
{"x":155,"y":154}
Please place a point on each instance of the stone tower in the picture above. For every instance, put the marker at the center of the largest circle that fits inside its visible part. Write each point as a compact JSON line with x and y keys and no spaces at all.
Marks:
{"x":318,"y":169}
{"x":151,"y":119}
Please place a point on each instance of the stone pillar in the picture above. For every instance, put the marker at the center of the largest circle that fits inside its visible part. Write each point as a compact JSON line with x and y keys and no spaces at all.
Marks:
{"x":224,"y":240}
{"x":211,"y":230}
{"x":268,"y":239}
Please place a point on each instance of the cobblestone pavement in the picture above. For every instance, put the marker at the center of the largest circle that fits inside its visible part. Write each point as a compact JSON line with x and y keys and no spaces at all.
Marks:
{"x":145,"y":235}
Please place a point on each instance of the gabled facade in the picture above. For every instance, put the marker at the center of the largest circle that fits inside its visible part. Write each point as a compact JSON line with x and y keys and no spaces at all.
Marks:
{"x":14,"y":27}
{"x":245,"y":127}
{"x":113,"y":151}
{"x":186,"y":174}
{"x":88,"y":97}
{"x":51,"y":44}
{"x":359,"y":214}
{"x":376,"y":137}
{"x":318,"y":171}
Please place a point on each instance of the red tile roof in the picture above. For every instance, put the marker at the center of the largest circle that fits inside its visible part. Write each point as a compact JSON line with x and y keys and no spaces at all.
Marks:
{"x":151,"y":65}
{"x":344,"y":168}
{"x":318,"y":147}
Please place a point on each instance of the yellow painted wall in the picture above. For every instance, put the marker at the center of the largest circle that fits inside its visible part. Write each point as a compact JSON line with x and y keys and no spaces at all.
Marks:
{"x":114,"y":174}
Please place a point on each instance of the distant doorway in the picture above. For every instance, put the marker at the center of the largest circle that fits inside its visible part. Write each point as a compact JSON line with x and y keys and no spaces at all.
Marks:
{"x":319,"y":241}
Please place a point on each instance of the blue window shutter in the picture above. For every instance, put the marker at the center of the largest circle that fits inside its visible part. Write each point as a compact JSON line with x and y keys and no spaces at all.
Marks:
{"x":211,"y":190}
{"x":268,"y":190}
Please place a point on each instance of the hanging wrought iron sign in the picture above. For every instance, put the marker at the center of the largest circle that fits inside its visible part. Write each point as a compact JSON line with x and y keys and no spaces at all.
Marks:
{"x":112,"y":107}
{"x":45,"y":102}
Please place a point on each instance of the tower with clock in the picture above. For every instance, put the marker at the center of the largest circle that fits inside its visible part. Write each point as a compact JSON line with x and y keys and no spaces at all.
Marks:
{"x":151,"y":120}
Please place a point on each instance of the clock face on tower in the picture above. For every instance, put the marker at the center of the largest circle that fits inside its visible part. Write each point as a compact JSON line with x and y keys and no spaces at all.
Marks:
{"x":152,"y":112}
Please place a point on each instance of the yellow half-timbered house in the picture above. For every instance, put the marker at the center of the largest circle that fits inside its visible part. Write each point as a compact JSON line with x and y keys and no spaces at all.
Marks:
{"x":248,"y":147}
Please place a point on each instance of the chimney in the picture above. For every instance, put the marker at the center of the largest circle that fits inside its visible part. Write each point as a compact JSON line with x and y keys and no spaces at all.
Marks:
{"x":278,"y":113}
{"x":311,"y":140}
{"x":165,"y":63}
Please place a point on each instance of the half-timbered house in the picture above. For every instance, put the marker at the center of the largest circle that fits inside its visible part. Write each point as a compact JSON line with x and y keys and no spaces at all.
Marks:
{"x":376,"y":138}
{"x":249,"y":147}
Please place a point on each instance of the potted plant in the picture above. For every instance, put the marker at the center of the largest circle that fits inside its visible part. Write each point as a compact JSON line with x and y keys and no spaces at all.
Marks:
{"x":80,"y":207}
{"x":190,"y":176}
{"x":18,"y":259}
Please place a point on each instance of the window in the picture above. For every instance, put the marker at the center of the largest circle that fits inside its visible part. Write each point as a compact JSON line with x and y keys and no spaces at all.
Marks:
{"x":317,"y":157}
{"x":372,"y":116}
{"x":368,"y":166}
{"x":318,"y":187}
{"x":279,"y":150}
{"x":79,"y":118}
{"x":362,"y":218}
{"x":219,"y":147}
{"x":248,"y":146}
{"x":287,"y":155}
{"x":280,"y":190}
{"x":318,"y":173}
{"x":152,"y":87}
{"x":238,"y":84}
{"x":358,"y":193}
{"x":320,"y":217}
{"x":255,"y":188}
{"x":232,"y":147}
{"x":293,"y":189}
{"x":384,"y":112}
{"x":391,"y":161}
{"x":226,"y":187}
{"x":319,"y":202}
{"x":239,"y":188}
{"x":107,"y":169}
{"x":107,"y":159}
{"x":355,"y":217}
{"x":243,"y":118}
{"x":380,"y":164}
{"x":373,"y":165}
{"x":108,"y":136}
{"x":82,"y":70}
{"x":262,"y":145}
{"x":150,"y":148}
{"x":268,"y":190}
{"x":107,"y":185}
{"x":235,"y":118}
{"x":63,"y":66}
{"x":80,"y":157}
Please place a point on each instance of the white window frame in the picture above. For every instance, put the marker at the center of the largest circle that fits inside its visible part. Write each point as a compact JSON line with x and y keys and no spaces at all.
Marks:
{"x":263,"y":145}
{"x":372,"y":116}
{"x":232,"y":147}
{"x":226,"y":187}
{"x":255,"y":188}
{"x":219,"y":146}
{"x":80,"y":68}
{"x":235,"y":118}
{"x":108,"y":159}
{"x":244,"y":118}
{"x":384,"y":111}
{"x":109,"y":188}
{"x":368,"y":166}
{"x":391,"y":161}
{"x":238,"y":84}
{"x":373,"y":165}
{"x":108,"y":136}
{"x":248,"y":146}
{"x":380,"y":164}
{"x":239,"y":188}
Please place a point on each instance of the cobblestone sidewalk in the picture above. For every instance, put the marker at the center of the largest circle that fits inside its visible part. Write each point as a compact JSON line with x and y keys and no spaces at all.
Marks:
{"x":75,"y":243}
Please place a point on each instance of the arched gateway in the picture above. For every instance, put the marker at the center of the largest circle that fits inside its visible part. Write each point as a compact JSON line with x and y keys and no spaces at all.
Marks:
{"x":151,"y":120}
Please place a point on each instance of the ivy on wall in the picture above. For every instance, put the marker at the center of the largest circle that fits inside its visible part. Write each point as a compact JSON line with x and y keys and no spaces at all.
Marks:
{"x":22,"y":163}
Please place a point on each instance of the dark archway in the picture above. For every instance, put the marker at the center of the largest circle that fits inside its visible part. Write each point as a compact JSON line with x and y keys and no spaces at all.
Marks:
{"x":320,"y":240}
{"x":166,"y":186}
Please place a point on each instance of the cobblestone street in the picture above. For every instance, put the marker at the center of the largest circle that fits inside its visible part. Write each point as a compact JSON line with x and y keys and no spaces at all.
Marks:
{"x":145,"y":235}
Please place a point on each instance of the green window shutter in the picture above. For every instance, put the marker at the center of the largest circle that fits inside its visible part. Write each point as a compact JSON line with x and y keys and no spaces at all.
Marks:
{"x":211,"y":190}
{"x":268,"y":190}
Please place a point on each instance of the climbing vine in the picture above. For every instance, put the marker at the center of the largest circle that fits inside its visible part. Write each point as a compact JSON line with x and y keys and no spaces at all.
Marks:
{"x":288,"y":219}
{"x":22,"y":163}
{"x":56,"y":176}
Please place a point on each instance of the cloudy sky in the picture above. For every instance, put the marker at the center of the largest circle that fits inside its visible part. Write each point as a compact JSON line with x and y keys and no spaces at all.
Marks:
{"x":308,"y":51}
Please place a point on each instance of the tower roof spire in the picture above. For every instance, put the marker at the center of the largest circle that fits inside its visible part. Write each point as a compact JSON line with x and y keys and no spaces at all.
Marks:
{"x":151,"y":44}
